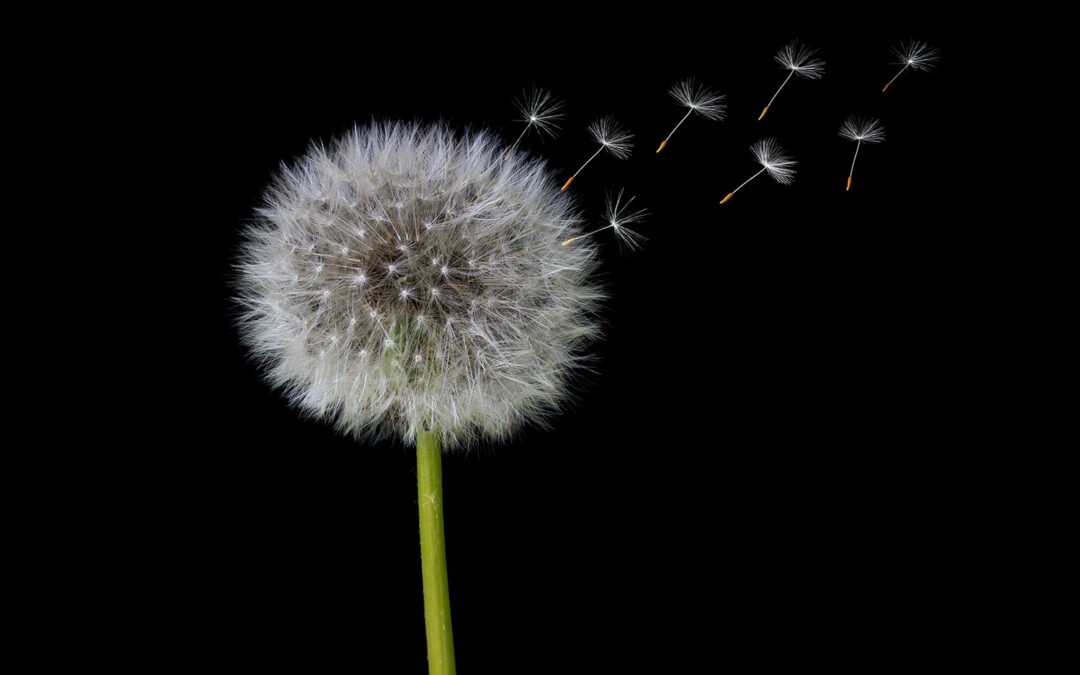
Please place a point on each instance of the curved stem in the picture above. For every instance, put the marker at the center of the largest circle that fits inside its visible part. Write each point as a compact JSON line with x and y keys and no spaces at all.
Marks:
{"x":440,"y":636}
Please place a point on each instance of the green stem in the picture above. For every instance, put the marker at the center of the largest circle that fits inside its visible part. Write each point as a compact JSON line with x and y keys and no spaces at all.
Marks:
{"x":440,"y":637}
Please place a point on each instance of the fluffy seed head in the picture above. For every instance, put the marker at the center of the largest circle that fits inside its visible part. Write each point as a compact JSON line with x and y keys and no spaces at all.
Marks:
{"x":772,"y":157}
{"x":916,"y":55}
{"x":700,"y":99}
{"x":406,"y":278}
{"x":540,"y":109}
{"x":615,"y":139}
{"x":867,"y":130}
{"x":799,"y":58}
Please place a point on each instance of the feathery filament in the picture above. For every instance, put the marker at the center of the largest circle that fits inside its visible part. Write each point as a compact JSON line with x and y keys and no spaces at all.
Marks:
{"x":540,"y":110}
{"x":915,"y":55}
{"x":799,"y":59}
{"x":619,"y":216}
{"x":612,"y":137}
{"x":774,"y":160}
{"x":861,"y":131}
{"x":698,"y":99}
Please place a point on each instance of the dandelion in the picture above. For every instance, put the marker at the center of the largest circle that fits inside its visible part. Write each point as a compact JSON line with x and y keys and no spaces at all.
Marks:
{"x":698,"y":99}
{"x":799,"y":60}
{"x":619,"y":217}
{"x":539,"y":110}
{"x":612,"y":137}
{"x":407,"y":282}
{"x":915,"y":55}
{"x":773,"y":159}
{"x":861,"y":131}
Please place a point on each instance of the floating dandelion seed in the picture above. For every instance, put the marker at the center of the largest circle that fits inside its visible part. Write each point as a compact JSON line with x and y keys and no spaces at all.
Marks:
{"x":539,"y":110}
{"x":799,"y":59}
{"x":612,"y":137}
{"x":698,"y":99}
{"x":861,"y":131}
{"x":915,"y":55}
{"x":619,"y":216}
{"x":773,"y":159}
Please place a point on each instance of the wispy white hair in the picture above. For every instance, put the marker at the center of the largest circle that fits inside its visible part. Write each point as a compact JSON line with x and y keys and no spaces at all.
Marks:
{"x":799,"y":58}
{"x":866,"y":130}
{"x":700,"y":99}
{"x":613,"y":136}
{"x":916,"y":54}
{"x":406,"y":278}
{"x":774,"y":160}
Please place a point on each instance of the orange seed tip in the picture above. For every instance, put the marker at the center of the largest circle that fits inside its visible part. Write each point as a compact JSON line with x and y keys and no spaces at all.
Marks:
{"x":661,"y":146}
{"x":729,"y":196}
{"x":763,"y":113}
{"x":571,"y":180}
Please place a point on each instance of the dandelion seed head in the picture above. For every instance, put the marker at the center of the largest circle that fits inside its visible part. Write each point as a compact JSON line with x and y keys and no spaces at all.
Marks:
{"x":775,"y":160}
{"x":916,"y":54}
{"x":700,"y":99}
{"x":362,"y":343}
{"x":867,"y":130}
{"x":615,"y":139}
{"x":799,"y":58}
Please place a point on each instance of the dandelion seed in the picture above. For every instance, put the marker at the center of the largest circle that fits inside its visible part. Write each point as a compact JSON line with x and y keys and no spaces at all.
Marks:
{"x":619,"y":216}
{"x":539,"y":110}
{"x":861,"y":131}
{"x":773,"y":159}
{"x":799,"y":60}
{"x":698,"y":99}
{"x":612,"y":137}
{"x":915,"y":55}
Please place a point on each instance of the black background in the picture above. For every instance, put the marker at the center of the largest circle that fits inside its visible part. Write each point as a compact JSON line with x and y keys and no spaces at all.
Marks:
{"x":752,"y":476}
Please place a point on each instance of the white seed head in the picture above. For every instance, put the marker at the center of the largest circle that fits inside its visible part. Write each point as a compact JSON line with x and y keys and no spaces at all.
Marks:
{"x":772,"y":157}
{"x":470,"y":328}
{"x":867,"y":130}
{"x":916,"y":55}
{"x":615,"y":139}
{"x":799,"y":58}
{"x":540,"y":109}
{"x":619,"y":217}
{"x":700,"y":99}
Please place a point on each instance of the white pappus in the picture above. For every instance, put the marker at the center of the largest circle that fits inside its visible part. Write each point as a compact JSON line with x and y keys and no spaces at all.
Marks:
{"x":612,"y":137}
{"x":619,"y":217}
{"x":799,"y":59}
{"x":406,"y":279}
{"x":861,"y":131}
{"x":698,"y":99}
{"x":772,"y":159}
{"x":915,"y":55}
{"x":539,"y":110}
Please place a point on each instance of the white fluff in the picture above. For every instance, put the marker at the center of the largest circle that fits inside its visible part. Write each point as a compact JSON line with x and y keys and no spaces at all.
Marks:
{"x":799,"y":59}
{"x":406,"y":278}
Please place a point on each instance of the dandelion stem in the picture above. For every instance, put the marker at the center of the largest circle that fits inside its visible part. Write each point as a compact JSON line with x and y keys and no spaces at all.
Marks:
{"x":598,"y":151}
{"x":895,"y":76}
{"x":514,"y":146}
{"x":747,"y":181}
{"x":776,"y":94}
{"x":688,"y":112}
{"x":440,"y":637}
{"x":857,"y":146}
